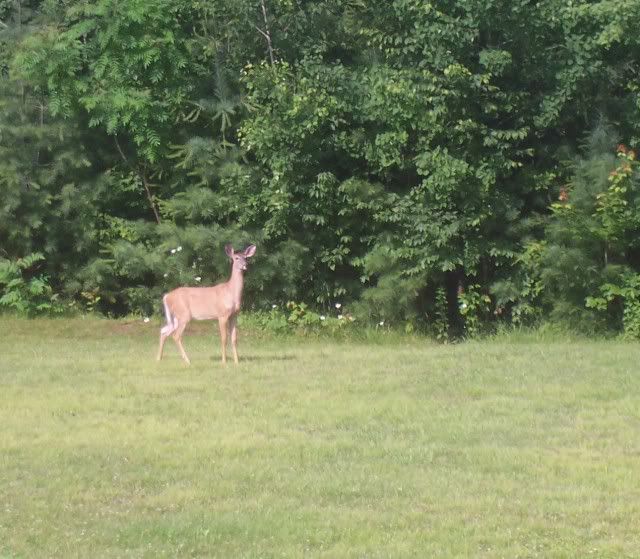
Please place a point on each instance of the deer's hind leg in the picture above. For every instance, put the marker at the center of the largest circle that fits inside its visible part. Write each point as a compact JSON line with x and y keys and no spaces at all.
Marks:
{"x":165,"y":332}
{"x":163,"y":338}
{"x":177,"y":336}
{"x":168,"y":328}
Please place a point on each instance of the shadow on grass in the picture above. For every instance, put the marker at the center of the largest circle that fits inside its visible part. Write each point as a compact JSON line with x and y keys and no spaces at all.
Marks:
{"x":257,"y":358}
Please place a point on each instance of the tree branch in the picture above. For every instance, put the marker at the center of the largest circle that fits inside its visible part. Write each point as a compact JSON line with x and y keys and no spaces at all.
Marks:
{"x":267,"y":32}
{"x":262,"y":32}
{"x":145,"y":183}
{"x":142,"y":173}
{"x":124,"y":157}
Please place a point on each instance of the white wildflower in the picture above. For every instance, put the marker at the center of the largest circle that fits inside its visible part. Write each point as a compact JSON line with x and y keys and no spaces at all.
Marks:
{"x":322,"y":317}
{"x":340,"y":317}
{"x":338,"y":305}
{"x":198,"y":278}
{"x":173,"y":251}
{"x":381,"y":323}
{"x":274,"y":306}
{"x":146,"y":319}
{"x":179,"y":249}
{"x":166,"y":275}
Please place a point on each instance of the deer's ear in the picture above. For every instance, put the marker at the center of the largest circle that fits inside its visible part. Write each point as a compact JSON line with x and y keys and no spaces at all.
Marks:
{"x":249,"y":251}
{"x":229,"y":250}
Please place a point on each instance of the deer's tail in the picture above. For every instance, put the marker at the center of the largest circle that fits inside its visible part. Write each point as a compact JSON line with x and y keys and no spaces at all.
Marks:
{"x":172,"y":321}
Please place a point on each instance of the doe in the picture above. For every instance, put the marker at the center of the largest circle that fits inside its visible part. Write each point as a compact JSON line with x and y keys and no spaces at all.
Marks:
{"x":221,"y":301}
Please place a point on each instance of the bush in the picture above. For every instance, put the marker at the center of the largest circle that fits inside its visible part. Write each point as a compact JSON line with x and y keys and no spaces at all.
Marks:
{"x":25,"y":292}
{"x":298,"y":318}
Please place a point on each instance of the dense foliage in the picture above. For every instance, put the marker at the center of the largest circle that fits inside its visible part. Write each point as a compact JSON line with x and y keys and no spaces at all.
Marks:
{"x":444,"y":165}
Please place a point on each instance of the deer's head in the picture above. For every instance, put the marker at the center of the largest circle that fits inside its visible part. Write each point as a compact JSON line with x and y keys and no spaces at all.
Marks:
{"x":239,"y":259}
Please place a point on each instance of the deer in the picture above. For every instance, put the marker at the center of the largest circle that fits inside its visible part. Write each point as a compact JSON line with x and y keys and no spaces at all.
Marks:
{"x":221,"y":301}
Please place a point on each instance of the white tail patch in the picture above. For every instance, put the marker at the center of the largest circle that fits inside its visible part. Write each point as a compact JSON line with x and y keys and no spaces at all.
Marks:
{"x":172,"y":322}
{"x":166,"y":330}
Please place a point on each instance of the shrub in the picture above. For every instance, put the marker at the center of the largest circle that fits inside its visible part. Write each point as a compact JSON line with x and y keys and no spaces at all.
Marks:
{"x":24,"y":291}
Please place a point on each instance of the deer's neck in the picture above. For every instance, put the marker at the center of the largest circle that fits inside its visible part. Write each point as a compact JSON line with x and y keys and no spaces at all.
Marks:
{"x":236,"y":283}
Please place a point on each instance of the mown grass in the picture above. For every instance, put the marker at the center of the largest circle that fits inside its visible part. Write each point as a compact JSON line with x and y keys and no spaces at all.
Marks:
{"x":512,"y":447}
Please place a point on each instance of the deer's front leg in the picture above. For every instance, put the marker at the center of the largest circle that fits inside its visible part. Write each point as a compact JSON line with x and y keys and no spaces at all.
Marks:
{"x":222,"y":323}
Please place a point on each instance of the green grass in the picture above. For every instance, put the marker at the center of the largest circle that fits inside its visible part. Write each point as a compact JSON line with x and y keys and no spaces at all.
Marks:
{"x":512,"y":447}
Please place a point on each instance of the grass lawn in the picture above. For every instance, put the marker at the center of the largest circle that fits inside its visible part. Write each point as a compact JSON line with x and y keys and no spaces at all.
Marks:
{"x":513,"y":447}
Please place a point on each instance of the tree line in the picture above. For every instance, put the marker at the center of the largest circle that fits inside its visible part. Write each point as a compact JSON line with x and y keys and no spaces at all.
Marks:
{"x":447,"y":165}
